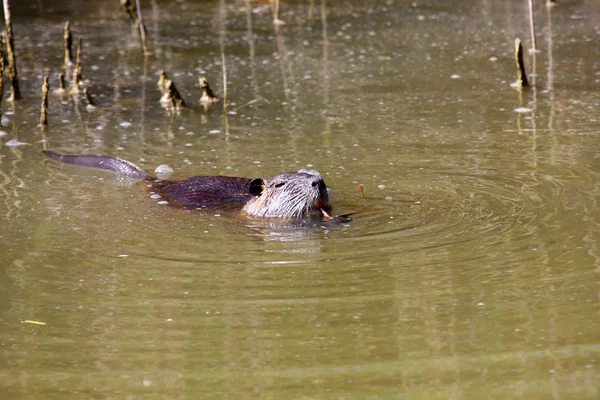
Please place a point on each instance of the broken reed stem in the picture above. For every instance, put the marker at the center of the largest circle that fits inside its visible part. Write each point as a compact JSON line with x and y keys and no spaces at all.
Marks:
{"x":275,"y":5}
{"x":61,"y":82}
{"x":521,"y":75}
{"x":532,"y":25}
{"x":78,"y":70}
{"x":208,"y":96}
{"x":162,"y":81}
{"x":224,"y":83}
{"x":129,"y":8}
{"x":1,"y":74}
{"x":68,"y":45}
{"x":77,"y":74}
{"x":44,"y":110}
{"x":12,"y":57}
{"x":172,"y":94}
{"x":88,"y":98}
{"x":142,"y":27}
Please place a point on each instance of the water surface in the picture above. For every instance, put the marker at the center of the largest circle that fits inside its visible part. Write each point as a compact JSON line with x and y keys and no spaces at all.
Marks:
{"x":472,"y":271}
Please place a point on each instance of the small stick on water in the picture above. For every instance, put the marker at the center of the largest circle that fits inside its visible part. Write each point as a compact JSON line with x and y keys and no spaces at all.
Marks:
{"x":326,"y":216}
{"x":88,"y":99}
{"x":68,"y":44}
{"x":532,"y":25}
{"x":44,"y":110}
{"x":77,"y":75}
{"x":521,"y":75}
{"x":12,"y":57}
{"x":361,"y":190}
{"x":253,"y":101}
{"x":208,"y":96}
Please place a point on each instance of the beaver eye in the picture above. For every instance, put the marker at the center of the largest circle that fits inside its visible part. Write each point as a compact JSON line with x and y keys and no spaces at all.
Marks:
{"x":280,"y":184}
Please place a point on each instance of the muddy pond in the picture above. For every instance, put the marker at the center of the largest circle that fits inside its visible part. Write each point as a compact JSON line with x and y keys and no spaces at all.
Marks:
{"x":470,"y":270}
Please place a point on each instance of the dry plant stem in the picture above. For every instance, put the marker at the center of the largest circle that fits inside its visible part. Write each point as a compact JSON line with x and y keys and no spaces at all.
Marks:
{"x":88,"y":98}
{"x":162,"y":81}
{"x":12,"y":58}
{"x":61,"y":82}
{"x":1,"y":74}
{"x":129,"y":8}
{"x":78,"y":69}
{"x":208,"y":96}
{"x":224,"y":83}
{"x":68,"y":45}
{"x":532,"y":25}
{"x":142,"y":27}
{"x":77,"y":74}
{"x":521,"y":75}
{"x":176,"y":99}
{"x":275,"y":5}
{"x":44,"y":110}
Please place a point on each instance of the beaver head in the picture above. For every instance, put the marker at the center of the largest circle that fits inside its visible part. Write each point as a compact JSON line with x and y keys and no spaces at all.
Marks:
{"x":290,"y":196}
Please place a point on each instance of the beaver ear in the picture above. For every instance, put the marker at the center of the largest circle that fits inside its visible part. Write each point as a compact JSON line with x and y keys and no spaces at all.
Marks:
{"x":257,"y":186}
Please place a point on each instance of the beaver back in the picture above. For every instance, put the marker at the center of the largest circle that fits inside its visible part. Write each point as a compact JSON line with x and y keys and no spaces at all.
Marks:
{"x":203,"y":191}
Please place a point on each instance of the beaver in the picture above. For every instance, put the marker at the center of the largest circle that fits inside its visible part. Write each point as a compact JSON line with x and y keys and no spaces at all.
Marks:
{"x":291,"y":196}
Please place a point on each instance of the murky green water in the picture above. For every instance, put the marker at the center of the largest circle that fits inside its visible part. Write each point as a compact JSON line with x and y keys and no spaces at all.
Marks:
{"x":473,"y":274}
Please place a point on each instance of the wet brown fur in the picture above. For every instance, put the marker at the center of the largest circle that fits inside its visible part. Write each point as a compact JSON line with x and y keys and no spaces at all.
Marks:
{"x":289,"y":196}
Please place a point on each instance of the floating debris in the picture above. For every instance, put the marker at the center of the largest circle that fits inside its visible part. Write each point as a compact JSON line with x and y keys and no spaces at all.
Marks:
{"x":523,"y":110}
{"x":28,"y":321}
{"x":163,"y":171}
{"x":15,"y":143}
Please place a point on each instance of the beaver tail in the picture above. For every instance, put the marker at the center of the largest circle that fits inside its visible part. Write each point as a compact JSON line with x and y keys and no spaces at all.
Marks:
{"x":115,"y":165}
